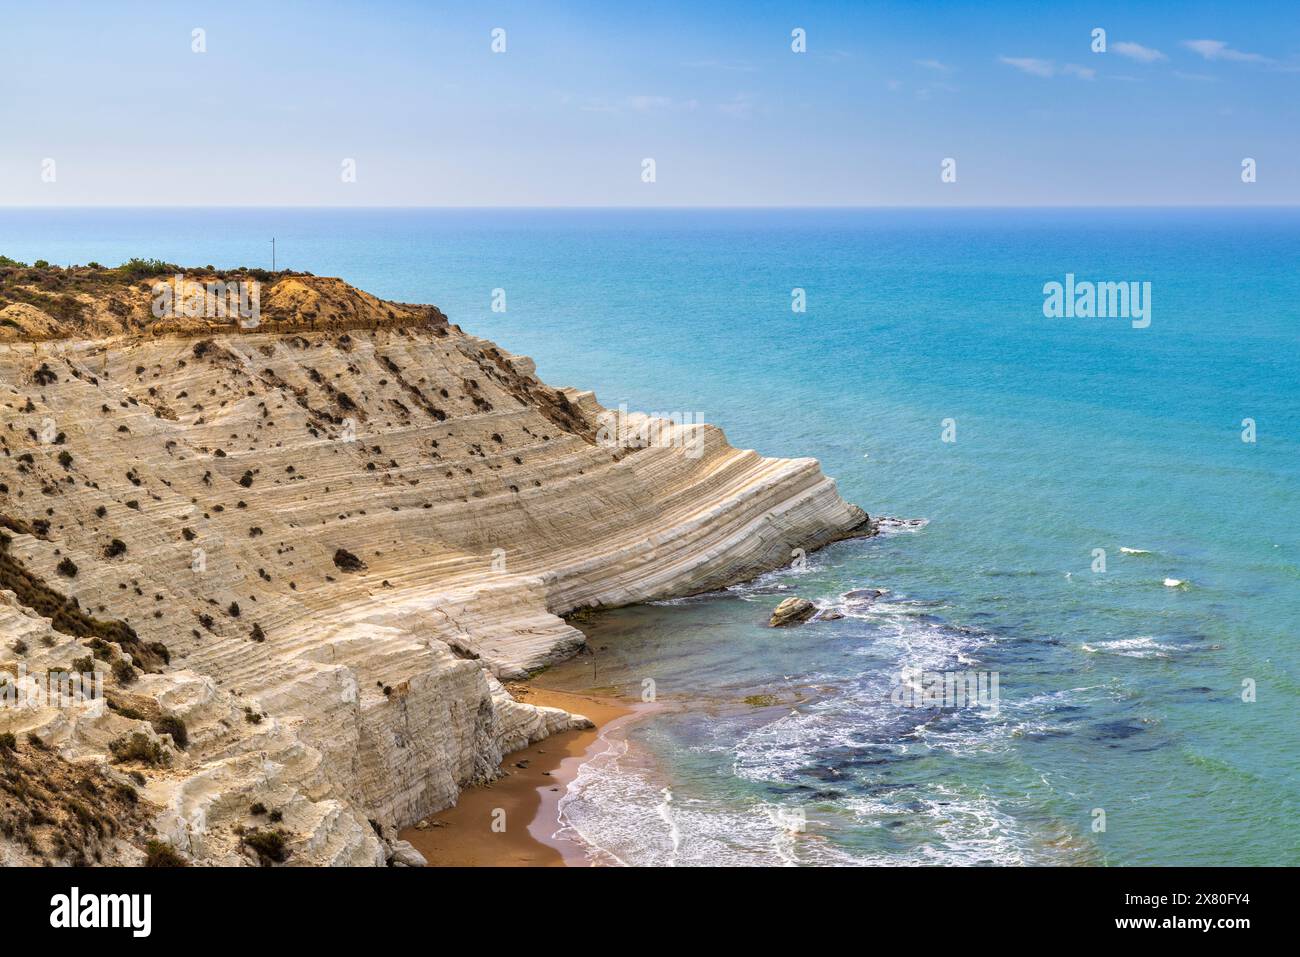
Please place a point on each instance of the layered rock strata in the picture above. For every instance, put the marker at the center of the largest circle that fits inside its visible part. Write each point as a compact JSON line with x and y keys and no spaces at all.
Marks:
{"x":308,"y":552}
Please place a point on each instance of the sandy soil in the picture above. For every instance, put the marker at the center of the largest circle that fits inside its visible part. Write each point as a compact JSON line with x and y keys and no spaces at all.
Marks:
{"x":463,"y":836}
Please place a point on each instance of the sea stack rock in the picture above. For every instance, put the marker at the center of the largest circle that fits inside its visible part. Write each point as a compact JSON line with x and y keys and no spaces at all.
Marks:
{"x":792,"y":611}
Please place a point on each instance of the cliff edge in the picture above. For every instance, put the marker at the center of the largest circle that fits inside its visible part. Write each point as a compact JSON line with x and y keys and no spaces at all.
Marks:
{"x":301,"y":553}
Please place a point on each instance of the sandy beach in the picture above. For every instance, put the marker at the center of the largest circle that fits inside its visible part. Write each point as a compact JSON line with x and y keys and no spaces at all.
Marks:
{"x":536,"y":776}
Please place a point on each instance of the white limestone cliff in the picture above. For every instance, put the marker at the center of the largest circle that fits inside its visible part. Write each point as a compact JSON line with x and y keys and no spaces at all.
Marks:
{"x":235,"y":467}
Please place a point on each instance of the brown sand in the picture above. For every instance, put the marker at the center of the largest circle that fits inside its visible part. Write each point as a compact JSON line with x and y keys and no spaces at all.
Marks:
{"x":462,"y":836}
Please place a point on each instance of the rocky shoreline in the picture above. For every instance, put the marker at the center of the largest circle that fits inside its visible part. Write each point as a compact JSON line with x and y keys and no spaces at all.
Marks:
{"x":302,"y":558}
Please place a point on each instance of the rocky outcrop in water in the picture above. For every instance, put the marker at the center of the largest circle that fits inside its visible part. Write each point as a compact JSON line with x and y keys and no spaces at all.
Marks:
{"x":792,"y":611}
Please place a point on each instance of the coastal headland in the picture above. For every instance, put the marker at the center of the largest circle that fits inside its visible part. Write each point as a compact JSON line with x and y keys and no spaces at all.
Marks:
{"x":302,"y":555}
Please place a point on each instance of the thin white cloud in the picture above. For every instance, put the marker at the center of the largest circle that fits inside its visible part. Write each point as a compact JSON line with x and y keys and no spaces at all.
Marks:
{"x":1047,"y":68}
{"x":1030,"y":65}
{"x":1219,"y":50}
{"x":739,"y":105}
{"x":642,"y":103}
{"x":935,"y":65}
{"x":1136,"y":51}
{"x":732,"y":66}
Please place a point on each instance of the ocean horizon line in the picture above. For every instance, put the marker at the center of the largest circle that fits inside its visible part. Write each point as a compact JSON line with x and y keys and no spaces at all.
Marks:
{"x":677,"y":208}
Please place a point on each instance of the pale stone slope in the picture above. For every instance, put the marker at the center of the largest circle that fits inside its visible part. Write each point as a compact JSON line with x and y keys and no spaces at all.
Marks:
{"x":234,"y":467}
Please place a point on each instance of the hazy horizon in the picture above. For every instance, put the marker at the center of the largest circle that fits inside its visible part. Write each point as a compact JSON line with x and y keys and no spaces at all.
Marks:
{"x":1256,"y":207}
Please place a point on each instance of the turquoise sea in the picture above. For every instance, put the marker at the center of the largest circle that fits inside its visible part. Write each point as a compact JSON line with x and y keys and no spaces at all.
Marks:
{"x":1121,"y":694}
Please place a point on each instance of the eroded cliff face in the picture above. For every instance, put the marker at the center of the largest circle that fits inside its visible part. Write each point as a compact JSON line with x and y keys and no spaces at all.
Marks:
{"x":312,"y":548}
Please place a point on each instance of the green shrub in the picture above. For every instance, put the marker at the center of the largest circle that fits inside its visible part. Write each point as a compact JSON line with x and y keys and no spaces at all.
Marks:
{"x":136,"y":268}
{"x":123,"y":671}
{"x":161,"y":854}
{"x":170,"y":724}
{"x":140,"y":748}
{"x":269,"y":845}
{"x":126,"y":711}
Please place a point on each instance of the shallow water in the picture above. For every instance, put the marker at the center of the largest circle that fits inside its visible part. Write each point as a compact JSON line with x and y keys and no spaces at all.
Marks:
{"x":1117,"y":692}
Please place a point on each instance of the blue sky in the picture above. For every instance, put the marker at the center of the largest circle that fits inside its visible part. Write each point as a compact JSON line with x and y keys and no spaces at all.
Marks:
{"x":711,"y":91}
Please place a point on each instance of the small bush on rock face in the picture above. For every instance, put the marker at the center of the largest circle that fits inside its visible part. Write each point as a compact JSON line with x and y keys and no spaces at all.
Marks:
{"x":348,"y":562}
{"x":269,"y":845}
{"x":138,"y":747}
{"x":258,"y":808}
{"x":115,"y":548}
{"x":162,"y":854}
{"x":170,"y":724}
{"x":125,"y":711}
{"x":8,"y":742}
{"x":67,"y":568}
{"x":123,"y":671}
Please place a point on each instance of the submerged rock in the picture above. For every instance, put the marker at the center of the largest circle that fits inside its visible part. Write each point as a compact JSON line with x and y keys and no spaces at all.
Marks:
{"x":830,"y":614}
{"x":792,"y":611}
{"x":863,"y":595}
